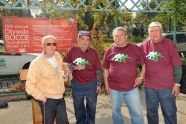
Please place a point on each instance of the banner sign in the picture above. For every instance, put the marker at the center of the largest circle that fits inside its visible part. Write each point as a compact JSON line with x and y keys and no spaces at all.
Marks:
{"x":23,"y":35}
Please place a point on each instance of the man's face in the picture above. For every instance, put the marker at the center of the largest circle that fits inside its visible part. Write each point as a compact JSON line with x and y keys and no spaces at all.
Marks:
{"x":155,"y":33}
{"x":84,"y":42}
{"x":120,"y":38}
{"x":49,"y":47}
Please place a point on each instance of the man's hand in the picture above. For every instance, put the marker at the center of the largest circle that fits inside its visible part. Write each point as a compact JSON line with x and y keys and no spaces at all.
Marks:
{"x":107,"y":89}
{"x":66,"y":70}
{"x":105,"y":76}
{"x":79,"y":67}
{"x":98,"y":89}
{"x":43,"y":99}
{"x":138,"y":81}
{"x":175,"y":90}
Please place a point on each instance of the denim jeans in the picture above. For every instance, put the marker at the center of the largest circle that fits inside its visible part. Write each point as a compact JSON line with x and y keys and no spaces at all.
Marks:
{"x":85,"y":114}
{"x":54,"y":108}
{"x":132,"y":100}
{"x":167,"y":102}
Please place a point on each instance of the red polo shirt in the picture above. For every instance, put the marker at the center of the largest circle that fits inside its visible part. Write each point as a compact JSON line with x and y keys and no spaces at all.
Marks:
{"x":89,"y":73}
{"x":122,"y":75}
{"x":160,"y":74}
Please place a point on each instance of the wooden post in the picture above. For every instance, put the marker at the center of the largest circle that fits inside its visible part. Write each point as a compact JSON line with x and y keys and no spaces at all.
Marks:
{"x":36,"y":112}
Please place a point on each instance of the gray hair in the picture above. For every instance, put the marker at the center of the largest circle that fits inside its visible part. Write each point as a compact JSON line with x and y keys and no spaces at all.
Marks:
{"x":43,"y":40}
{"x":119,"y":29}
{"x":154,"y":24}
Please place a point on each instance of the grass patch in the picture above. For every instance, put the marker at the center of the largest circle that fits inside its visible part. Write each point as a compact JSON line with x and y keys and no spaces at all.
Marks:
{"x":2,"y":49}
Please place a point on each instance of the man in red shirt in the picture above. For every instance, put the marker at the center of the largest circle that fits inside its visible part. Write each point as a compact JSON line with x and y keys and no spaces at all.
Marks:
{"x":162,"y":75}
{"x":120,"y":76}
{"x":87,"y":78}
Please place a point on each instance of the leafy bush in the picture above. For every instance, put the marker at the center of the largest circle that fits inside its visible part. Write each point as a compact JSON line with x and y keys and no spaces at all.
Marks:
{"x":184,"y":61}
{"x":137,"y":39}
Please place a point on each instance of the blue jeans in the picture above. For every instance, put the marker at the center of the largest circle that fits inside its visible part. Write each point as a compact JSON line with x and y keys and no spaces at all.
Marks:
{"x":167,"y":102}
{"x":54,"y":108}
{"x":85,"y":114}
{"x":132,"y":99}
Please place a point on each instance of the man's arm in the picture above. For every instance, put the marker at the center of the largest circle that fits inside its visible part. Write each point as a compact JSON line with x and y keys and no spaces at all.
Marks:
{"x":99,"y":77}
{"x":177,"y":75}
{"x":66,"y":69}
{"x":99,"y":80}
{"x":140,"y":79}
{"x":177,"y":79}
{"x":73,"y":67}
{"x":105,"y":76}
{"x":31,"y":81}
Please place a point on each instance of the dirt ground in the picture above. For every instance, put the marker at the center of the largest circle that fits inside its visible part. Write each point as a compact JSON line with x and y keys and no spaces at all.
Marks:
{"x":20,"y":112}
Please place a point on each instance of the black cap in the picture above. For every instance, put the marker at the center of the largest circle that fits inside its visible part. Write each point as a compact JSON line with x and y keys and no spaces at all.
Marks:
{"x":84,"y":33}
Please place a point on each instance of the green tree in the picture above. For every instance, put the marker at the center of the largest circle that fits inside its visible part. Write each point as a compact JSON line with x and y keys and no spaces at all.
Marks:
{"x":177,"y":7}
{"x":11,"y":12}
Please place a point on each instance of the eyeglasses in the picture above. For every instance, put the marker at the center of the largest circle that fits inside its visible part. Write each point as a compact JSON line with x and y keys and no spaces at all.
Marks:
{"x":51,"y":44}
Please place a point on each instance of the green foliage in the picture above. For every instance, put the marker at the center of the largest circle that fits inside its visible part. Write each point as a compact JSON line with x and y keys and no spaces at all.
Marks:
{"x":107,"y":45}
{"x":184,"y":60}
{"x":136,"y":39}
{"x":8,"y":12}
{"x":2,"y":49}
{"x":177,"y":7}
{"x":98,"y":22}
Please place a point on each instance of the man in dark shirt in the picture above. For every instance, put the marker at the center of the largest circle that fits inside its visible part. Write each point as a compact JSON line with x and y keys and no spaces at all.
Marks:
{"x":87,"y":78}
{"x":120,"y":76}
{"x":162,"y":75}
